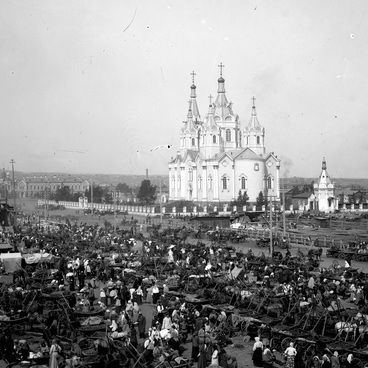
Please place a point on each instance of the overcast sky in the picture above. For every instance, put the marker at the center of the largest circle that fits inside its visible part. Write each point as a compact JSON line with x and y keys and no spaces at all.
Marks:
{"x":94,"y":86}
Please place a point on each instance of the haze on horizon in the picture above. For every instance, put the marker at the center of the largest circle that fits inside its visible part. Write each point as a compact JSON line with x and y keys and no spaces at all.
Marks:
{"x":95,"y":87}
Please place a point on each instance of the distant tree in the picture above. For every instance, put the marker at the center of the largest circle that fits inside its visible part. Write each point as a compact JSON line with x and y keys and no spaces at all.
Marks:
{"x":308,"y":187}
{"x":296,"y":190}
{"x":123,"y":188}
{"x":62,"y":194}
{"x":241,"y":201}
{"x":99,"y":194}
{"x":260,"y":200}
{"x":147,"y":192}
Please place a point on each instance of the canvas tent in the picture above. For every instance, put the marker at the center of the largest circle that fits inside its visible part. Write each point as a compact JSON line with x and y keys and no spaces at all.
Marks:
{"x":39,"y":258}
{"x":11,"y":261}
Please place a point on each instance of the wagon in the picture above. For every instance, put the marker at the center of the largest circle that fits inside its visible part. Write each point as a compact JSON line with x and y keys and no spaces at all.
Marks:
{"x":16,"y":326}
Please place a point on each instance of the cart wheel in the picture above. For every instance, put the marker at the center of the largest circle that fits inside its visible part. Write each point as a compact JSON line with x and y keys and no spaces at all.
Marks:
{"x":286,"y":342}
{"x":275,"y":344}
{"x":229,"y":321}
{"x":49,"y":305}
{"x":86,"y":344}
{"x":17,"y":329}
{"x":309,"y":353}
{"x":244,"y":327}
{"x":226,"y":331}
{"x":335,"y":263}
{"x":190,"y":307}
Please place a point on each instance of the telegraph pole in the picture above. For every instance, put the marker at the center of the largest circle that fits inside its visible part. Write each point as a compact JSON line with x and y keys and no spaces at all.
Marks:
{"x":271,"y":244}
{"x":160,"y":203}
{"x":92,"y":197}
{"x":284,"y":208}
{"x":15,"y":203}
{"x":114,"y":193}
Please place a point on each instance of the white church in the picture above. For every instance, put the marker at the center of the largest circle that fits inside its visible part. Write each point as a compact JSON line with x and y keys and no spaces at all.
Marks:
{"x":219,"y":156}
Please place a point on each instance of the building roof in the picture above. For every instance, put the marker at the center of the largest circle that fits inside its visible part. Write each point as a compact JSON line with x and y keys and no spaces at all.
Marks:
{"x":303,"y":195}
{"x":50,"y":180}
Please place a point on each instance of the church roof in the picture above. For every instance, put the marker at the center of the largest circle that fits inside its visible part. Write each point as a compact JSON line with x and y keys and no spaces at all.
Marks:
{"x":209,"y":121}
{"x":222,"y":105}
{"x":254,"y":123}
{"x":324,"y":178}
{"x":192,"y":154}
{"x":195,"y":110}
{"x":247,"y":154}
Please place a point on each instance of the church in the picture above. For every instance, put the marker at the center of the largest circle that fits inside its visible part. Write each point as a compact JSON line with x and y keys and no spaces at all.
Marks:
{"x":219,"y":157}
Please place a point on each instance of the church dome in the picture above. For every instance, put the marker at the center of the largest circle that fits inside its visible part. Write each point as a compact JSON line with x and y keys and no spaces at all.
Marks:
{"x":221,"y":80}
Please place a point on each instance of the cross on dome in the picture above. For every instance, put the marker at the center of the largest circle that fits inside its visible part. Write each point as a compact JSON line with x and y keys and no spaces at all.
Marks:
{"x":254,"y":100}
{"x":210,"y":97}
{"x":193,"y":75}
{"x":221,"y":66}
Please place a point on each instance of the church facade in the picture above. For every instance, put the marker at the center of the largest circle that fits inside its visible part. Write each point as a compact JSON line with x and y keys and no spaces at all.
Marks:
{"x":325,"y":199}
{"x":219,"y":157}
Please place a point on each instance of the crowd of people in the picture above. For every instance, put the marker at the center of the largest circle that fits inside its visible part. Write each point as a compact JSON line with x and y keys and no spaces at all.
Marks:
{"x":142,"y":311}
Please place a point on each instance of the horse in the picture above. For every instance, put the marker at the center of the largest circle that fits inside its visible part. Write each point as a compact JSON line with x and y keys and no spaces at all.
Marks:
{"x":347,"y":327}
{"x":315,"y":253}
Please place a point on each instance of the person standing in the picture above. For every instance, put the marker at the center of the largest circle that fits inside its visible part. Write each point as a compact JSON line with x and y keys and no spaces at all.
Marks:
{"x":290,"y":354}
{"x":54,"y":354}
{"x":268,"y":358}
{"x":257,"y":352}
{"x":155,"y":294}
{"x":195,"y":347}
{"x":141,"y":325}
{"x":335,"y":361}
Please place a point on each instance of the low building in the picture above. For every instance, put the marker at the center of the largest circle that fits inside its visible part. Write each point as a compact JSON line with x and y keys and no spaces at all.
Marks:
{"x":42,"y":186}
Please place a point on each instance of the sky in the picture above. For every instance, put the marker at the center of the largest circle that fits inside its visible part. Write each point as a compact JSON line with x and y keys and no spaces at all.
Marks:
{"x":95,"y":86}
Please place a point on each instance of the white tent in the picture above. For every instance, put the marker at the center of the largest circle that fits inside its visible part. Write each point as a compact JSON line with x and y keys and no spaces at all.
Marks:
{"x":11,"y":261}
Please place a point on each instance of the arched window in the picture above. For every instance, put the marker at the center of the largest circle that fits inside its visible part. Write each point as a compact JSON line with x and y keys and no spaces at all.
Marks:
{"x":243,"y":183}
{"x":214,"y":138}
{"x":199,"y":182}
{"x":228,"y":135}
{"x":210,"y":182}
{"x":173,"y":182}
{"x":190,"y":174}
{"x":193,"y":142}
{"x":224,"y":182}
{"x":258,"y":140}
{"x":269,"y":182}
{"x":179,"y":182}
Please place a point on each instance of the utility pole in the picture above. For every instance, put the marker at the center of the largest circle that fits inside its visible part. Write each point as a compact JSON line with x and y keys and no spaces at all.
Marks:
{"x":92,"y":197}
{"x":160,"y":203}
{"x":284,"y":208}
{"x":15,"y":202}
{"x":114,"y":193}
{"x":271,"y":244}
